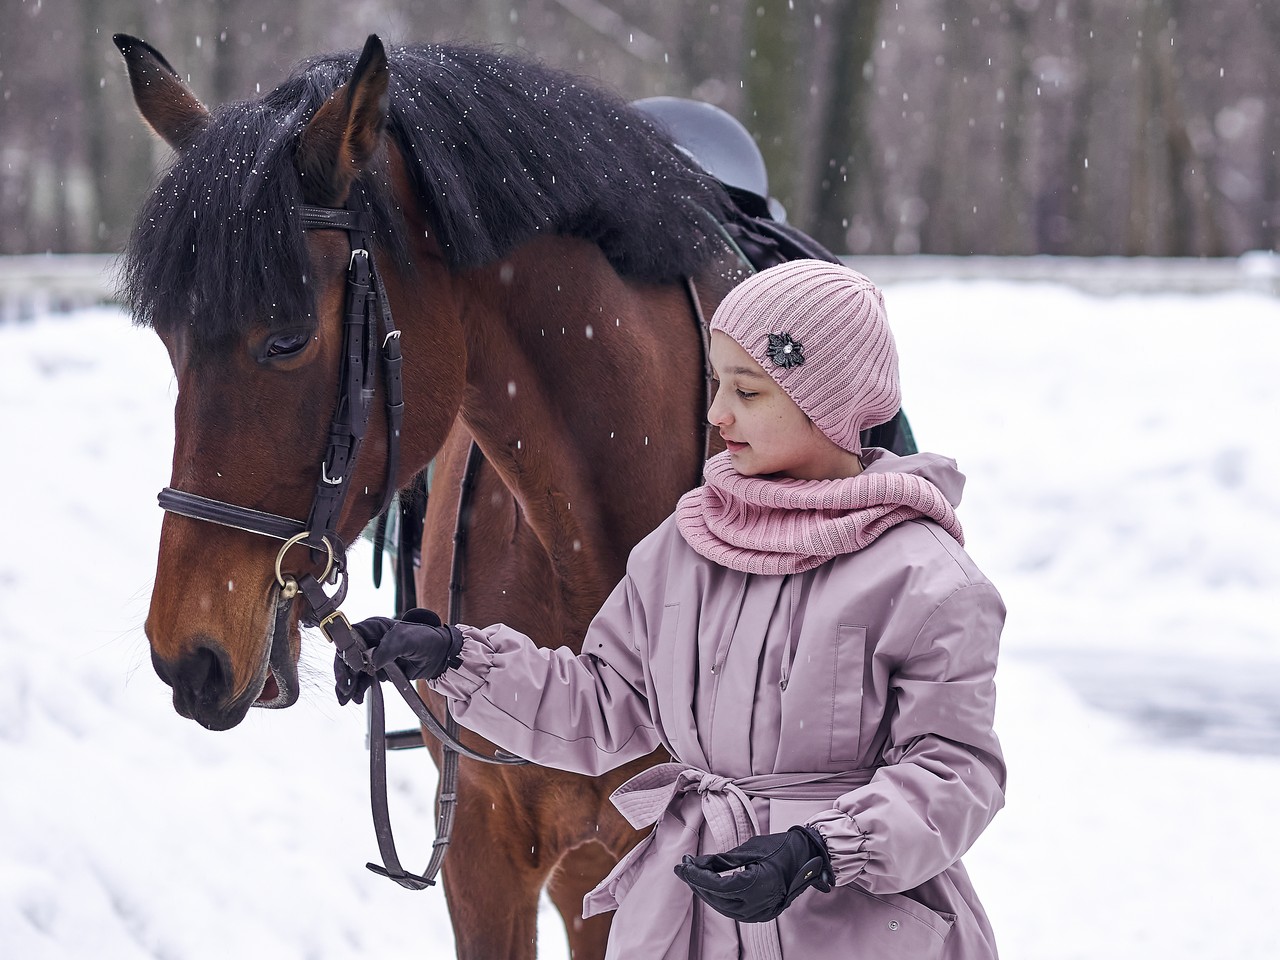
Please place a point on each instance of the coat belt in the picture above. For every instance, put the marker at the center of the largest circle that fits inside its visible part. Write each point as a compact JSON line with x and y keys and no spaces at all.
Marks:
{"x":725,"y":807}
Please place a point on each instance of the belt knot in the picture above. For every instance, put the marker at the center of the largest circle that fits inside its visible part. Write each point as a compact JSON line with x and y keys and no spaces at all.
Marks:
{"x":710,"y":783}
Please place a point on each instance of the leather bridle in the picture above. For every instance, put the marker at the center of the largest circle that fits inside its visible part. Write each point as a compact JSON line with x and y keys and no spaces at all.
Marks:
{"x":367,"y":318}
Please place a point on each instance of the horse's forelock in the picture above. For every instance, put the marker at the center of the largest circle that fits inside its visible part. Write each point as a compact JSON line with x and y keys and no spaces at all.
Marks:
{"x":216,"y":242}
{"x":219,"y":243}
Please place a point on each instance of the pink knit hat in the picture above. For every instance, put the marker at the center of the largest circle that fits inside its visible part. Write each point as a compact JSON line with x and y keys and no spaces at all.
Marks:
{"x":819,"y":329}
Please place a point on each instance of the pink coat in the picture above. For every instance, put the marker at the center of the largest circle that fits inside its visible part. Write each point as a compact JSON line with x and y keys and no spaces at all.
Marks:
{"x":856,"y":697}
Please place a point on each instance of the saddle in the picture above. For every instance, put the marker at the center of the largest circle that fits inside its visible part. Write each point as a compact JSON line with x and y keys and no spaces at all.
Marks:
{"x":715,"y":141}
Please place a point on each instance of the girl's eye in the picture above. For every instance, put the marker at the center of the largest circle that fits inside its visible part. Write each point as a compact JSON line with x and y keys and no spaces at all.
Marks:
{"x":286,"y":344}
{"x":745,"y":395}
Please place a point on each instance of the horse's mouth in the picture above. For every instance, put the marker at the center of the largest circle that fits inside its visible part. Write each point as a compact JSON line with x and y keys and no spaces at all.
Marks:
{"x":280,"y":685}
{"x":274,"y":683}
{"x":270,"y":690}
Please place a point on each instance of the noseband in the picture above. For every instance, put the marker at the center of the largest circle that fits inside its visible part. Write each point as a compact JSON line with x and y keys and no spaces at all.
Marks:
{"x":366,"y":303}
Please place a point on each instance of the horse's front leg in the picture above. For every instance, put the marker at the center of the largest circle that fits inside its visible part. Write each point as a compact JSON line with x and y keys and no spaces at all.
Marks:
{"x":594,"y":838}
{"x":577,"y":873}
{"x":494,"y":870}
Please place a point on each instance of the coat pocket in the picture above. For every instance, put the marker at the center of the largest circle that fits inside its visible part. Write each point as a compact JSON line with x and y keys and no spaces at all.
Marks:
{"x":849,"y":922}
{"x":846,"y":693}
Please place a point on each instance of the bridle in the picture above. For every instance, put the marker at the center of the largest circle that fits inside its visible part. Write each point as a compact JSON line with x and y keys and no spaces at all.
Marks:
{"x":365,"y":302}
{"x":367,"y":317}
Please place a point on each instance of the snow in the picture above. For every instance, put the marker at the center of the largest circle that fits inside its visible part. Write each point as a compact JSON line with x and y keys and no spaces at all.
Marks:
{"x":1120,"y":494}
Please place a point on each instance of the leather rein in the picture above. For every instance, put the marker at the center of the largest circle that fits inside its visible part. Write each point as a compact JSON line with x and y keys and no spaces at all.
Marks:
{"x":367,"y":310}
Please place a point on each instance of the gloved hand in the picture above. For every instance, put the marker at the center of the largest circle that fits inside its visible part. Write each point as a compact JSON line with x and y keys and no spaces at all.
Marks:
{"x":418,"y":643}
{"x":776,"y":868}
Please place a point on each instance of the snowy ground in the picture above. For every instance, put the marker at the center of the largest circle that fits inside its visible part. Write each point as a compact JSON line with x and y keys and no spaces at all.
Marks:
{"x":1121,"y":491}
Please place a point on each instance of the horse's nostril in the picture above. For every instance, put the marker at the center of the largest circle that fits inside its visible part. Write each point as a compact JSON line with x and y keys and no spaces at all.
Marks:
{"x":203,"y":670}
{"x":201,"y":678}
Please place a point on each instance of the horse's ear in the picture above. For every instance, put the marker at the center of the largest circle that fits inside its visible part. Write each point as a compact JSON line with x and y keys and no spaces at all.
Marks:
{"x":166,"y":104}
{"x":344,"y":134}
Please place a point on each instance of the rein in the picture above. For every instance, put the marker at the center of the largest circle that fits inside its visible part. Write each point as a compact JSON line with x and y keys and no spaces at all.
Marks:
{"x":366,"y":304}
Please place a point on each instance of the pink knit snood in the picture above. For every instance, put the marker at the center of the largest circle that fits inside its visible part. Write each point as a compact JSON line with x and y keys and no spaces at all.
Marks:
{"x":764,"y":526}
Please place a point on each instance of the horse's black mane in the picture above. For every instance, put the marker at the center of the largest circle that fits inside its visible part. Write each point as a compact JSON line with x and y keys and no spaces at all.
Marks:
{"x":505,"y":148}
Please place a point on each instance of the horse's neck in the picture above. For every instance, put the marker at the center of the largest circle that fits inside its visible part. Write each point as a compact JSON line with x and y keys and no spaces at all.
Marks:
{"x":585,"y":393}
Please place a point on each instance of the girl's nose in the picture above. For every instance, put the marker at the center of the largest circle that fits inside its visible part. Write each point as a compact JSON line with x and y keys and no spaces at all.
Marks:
{"x":717,"y":415}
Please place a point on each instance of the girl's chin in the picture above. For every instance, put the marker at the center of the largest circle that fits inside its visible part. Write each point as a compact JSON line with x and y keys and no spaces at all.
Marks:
{"x":743,"y":466}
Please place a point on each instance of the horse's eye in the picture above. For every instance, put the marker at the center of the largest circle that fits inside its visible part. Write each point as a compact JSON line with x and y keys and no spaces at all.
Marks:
{"x":286,"y":344}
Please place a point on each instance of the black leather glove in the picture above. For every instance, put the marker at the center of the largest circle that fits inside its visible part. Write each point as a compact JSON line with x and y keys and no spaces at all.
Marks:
{"x":776,"y":868}
{"x":418,"y":643}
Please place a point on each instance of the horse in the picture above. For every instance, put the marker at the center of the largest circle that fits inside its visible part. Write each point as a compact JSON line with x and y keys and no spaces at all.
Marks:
{"x":534,"y":237}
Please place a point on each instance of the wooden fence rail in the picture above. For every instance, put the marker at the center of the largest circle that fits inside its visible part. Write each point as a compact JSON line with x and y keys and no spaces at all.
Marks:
{"x":33,"y":285}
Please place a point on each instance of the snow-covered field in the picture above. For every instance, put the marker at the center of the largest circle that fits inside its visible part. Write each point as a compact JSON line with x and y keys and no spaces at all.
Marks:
{"x":1122,"y":485}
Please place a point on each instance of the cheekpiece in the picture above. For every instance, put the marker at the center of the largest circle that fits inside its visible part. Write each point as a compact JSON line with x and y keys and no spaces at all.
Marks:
{"x":785,"y":352}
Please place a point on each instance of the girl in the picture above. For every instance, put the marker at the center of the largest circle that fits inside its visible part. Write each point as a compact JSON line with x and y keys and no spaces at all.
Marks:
{"x":807,"y":638}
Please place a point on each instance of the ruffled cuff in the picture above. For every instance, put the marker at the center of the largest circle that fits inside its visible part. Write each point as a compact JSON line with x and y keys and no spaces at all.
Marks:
{"x":459,"y":683}
{"x":846,"y":844}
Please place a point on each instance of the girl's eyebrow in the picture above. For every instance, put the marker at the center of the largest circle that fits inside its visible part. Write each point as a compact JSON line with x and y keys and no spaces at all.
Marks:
{"x":745,"y":372}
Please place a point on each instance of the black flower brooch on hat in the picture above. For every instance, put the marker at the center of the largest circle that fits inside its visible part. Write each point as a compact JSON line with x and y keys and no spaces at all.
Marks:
{"x":784,"y":351}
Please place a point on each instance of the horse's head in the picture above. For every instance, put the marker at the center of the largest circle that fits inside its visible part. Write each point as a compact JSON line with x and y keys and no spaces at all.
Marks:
{"x":250,"y":307}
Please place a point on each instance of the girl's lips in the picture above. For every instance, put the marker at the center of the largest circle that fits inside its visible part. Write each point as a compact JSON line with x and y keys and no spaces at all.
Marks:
{"x":733,"y":446}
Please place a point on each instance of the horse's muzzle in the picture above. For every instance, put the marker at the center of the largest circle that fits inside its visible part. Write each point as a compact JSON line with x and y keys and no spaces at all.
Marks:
{"x":202,"y":681}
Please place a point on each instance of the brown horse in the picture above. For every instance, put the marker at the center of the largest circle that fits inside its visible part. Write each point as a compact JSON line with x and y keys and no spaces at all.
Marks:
{"x":532,"y":234}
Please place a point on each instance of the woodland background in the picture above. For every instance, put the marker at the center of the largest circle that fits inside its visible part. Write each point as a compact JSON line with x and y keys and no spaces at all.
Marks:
{"x":1081,"y":127}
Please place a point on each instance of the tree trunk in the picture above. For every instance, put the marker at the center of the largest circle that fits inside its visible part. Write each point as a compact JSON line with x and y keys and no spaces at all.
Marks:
{"x":1139,"y":226}
{"x":842,"y":139}
{"x":225,"y":44}
{"x":770,"y":66}
{"x":1270,"y":17}
{"x":1194,"y":227}
{"x":1078,"y":238}
{"x":97,"y":126}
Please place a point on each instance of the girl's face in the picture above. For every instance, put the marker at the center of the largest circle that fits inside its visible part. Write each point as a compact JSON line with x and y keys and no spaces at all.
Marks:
{"x":765,"y":431}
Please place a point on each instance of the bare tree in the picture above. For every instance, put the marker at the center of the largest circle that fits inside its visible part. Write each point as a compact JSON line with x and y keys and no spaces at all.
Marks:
{"x":772,"y":74}
{"x":1066,"y":126}
{"x":1016,"y":212}
{"x":843,"y":145}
